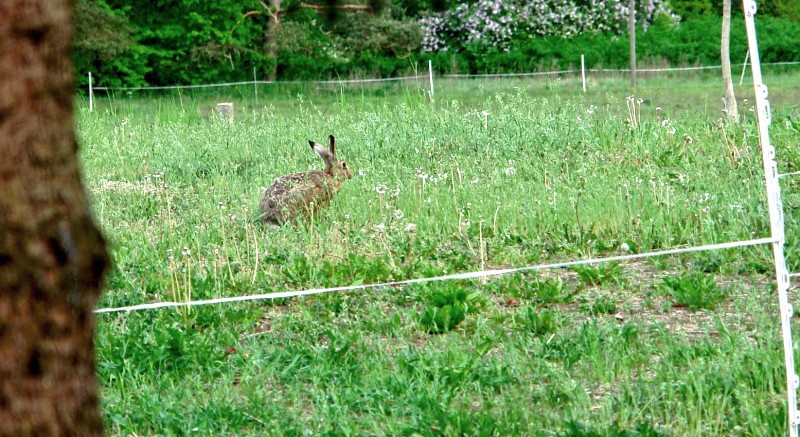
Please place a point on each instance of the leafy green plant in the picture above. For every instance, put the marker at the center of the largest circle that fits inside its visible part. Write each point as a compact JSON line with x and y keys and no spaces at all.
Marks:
{"x":695,"y":291}
{"x":440,"y":319}
{"x":540,"y":291}
{"x":448,"y":306}
{"x":604,"y":305}
{"x":541,"y":322}
{"x":601,"y":274}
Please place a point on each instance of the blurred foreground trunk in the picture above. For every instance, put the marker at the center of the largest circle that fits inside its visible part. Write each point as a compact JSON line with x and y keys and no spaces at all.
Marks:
{"x":52,"y":256}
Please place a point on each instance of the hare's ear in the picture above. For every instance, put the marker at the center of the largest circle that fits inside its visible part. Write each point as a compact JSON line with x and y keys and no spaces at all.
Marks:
{"x":320,"y":151}
{"x":331,"y":145}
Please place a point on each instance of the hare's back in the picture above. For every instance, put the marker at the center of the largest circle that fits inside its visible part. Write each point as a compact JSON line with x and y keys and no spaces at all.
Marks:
{"x":287,"y":195}
{"x":296,"y":183}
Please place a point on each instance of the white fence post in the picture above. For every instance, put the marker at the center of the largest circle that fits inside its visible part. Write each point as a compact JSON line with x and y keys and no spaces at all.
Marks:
{"x":91,"y":97}
{"x":225,"y":111}
{"x":255,"y":84}
{"x":744,"y":67}
{"x":430,"y":73}
{"x":583,"y":72}
{"x":775,"y":206}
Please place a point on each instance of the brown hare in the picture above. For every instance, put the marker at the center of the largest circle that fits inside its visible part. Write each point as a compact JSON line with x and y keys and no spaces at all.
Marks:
{"x":301,"y":194}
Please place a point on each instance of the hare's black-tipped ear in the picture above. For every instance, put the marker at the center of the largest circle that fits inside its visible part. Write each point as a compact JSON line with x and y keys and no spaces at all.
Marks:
{"x":322,"y":153}
{"x":331,"y":145}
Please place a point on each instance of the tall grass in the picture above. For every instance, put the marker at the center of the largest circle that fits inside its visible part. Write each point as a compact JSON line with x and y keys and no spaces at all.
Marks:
{"x":507,"y":179}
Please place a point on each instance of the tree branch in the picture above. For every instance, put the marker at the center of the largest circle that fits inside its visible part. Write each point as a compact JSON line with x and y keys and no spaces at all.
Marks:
{"x":325,"y":7}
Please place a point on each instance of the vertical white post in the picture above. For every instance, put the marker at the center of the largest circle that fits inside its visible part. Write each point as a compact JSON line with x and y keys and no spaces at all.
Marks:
{"x":430,"y":73}
{"x":775,"y":206}
{"x":744,"y":67}
{"x":91,"y":96}
{"x":255,"y":84}
{"x":583,"y":73}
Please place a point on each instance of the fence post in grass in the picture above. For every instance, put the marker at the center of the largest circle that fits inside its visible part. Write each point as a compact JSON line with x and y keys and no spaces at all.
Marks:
{"x":583,"y":73}
{"x":91,"y":101}
{"x":225,"y":111}
{"x":430,"y":74}
{"x":775,"y":207}
{"x":255,"y":84}
{"x":744,"y":67}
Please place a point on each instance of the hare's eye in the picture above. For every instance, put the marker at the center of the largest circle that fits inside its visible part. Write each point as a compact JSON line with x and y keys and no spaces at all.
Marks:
{"x":344,"y":165}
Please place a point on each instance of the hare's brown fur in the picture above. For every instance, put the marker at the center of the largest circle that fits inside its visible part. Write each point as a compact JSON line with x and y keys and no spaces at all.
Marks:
{"x":301,"y":194}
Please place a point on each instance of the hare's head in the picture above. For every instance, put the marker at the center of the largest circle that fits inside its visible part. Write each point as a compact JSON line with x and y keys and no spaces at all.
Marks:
{"x":333,"y":167}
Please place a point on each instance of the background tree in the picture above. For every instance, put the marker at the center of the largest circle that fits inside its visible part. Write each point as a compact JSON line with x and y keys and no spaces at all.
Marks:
{"x":52,"y":257}
{"x":632,"y":36}
{"x":99,"y":35}
{"x":277,"y":9}
{"x":729,"y":101}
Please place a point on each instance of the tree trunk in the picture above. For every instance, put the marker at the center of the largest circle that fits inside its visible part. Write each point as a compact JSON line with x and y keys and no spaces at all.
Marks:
{"x":632,"y":33}
{"x":271,"y":43}
{"x":52,"y":257}
{"x":729,"y":101}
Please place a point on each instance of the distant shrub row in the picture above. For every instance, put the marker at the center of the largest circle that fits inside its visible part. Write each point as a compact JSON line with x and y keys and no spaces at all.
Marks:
{"x":692,"y":42}
{"x":307,"y":54}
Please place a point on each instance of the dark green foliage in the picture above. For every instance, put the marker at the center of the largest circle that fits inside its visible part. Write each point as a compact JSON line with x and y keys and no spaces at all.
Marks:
{"x":99,"y":34}
{"x":355,"y":44}
{"x":688,"y":9}
{"x":178,"y":42}
{"x":191,"y":42}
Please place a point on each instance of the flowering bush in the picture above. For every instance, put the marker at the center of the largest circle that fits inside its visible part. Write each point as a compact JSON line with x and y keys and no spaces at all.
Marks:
{"x":495,"y":23}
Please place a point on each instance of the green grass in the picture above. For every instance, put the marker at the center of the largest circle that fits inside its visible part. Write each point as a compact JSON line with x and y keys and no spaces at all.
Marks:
{"x":482,"y":178}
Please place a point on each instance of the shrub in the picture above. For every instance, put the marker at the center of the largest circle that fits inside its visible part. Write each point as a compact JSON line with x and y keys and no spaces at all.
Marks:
{"x":496,"y":23}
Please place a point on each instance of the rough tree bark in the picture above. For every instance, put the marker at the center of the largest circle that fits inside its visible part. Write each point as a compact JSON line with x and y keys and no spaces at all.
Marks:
{"x":52,"y":256}
{"x":271,"y":40}
{"x":729,"y":101}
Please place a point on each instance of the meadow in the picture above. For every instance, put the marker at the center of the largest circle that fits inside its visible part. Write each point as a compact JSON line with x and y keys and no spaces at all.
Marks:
{"x":493,"y":173}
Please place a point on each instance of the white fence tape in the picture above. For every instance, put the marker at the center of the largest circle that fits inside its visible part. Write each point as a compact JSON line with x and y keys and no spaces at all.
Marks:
{"x":261,"y":82}
{"x":535,"y":73}
{"x":424,"y":77}
{"x":468,"y":275}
